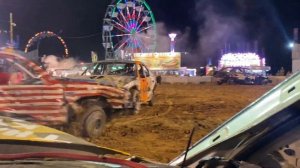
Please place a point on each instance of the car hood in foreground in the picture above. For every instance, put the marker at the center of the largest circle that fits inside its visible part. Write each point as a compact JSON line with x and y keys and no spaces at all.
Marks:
{"x":19,"y":133}
{"x":18,"y":130}
{"x":261,"y":116}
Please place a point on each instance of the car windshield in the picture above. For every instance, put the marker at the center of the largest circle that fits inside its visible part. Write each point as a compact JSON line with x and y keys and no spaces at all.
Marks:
{"x":14,"y":71}
{"x":122,"y":69}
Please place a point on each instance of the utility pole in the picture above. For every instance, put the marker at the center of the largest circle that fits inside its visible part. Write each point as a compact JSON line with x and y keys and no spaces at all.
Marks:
{"x":11,"y":27}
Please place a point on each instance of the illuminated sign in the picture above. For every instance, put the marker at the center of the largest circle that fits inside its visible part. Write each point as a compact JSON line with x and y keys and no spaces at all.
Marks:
{"x":241,"y":59}
{"x":160,"y":61}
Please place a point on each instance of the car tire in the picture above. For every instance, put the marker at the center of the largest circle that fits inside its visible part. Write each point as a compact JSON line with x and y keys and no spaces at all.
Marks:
{"x":264,"y":82}
{"x":230,"y":81}
{"x":219,"y":82}
{"x":94,"y":121}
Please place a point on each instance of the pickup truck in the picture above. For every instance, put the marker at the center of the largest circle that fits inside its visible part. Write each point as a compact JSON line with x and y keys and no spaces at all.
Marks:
{"x":27,"y":91}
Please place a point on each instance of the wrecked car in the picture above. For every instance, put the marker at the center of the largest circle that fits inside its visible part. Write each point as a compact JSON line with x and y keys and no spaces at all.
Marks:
{"x":131,"y":75}
{"x":29,"y":92}
{"x":25,"y":144}
{"x":264,"y":134}
{"x":240,"y":75}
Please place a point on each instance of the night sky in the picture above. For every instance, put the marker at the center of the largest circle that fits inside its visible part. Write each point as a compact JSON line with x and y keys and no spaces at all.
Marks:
{"x":203,"y":26}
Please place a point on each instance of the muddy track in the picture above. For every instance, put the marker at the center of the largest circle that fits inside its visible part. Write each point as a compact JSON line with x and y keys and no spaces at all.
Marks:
{"x":161,"y":132}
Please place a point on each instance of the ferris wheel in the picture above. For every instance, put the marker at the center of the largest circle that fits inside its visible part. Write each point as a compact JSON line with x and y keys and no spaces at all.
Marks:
{"x":128,"y":27}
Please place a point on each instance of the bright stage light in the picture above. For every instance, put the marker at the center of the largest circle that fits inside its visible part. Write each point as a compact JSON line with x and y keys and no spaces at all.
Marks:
{"x":172,"y":36}
{"x":241,"y":59}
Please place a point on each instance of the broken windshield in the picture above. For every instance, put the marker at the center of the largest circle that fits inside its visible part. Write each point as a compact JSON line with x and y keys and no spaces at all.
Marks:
{"x":122,"y":69}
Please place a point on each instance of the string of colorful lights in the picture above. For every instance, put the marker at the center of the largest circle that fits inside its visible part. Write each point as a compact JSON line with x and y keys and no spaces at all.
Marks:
{"x":46,"y":34}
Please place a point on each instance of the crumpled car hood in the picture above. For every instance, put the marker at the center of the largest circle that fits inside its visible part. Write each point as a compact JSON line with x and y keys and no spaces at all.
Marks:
{"x":75,"y":80}
{"x":118,"y":81}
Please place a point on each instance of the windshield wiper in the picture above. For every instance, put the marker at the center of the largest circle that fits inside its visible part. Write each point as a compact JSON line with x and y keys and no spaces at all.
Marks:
{"x":188,"y":147}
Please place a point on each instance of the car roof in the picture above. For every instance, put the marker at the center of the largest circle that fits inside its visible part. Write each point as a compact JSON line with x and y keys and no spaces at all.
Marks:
{"x":119,"y":61}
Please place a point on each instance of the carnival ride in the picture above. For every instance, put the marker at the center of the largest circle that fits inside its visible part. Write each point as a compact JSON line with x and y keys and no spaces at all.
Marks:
{"x":45,"y":34}
{"x":128,"y":27}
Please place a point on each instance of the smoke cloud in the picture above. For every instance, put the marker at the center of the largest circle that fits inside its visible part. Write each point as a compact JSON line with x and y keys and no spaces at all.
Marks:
{"x":52,"y":62}
{"x":163,"y":40}
{"x":219,"y":27}
{"x":217,"y":30}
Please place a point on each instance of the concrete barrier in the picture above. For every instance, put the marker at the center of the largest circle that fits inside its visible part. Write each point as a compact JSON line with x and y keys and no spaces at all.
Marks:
{"x":277,"y":79}
{"x":186,"y":79}
{"x":205,"y":79}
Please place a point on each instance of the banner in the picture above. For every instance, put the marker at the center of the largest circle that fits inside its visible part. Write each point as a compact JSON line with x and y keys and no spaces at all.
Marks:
{"x":94,"y":56}
{"x":160,"y":61}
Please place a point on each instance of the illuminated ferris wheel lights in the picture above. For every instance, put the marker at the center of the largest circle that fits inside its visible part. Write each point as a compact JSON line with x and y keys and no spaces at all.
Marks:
{"x":120,"y":35}
{"x":124,"y":29}
{"x":144,"y":29}
{"x":128,"y":28}
{"x":121,"y":6}
{"x":130,"y":4}
{"x":139,"y":8}
{"x":146,"y":19}
{"x":113,"y":14}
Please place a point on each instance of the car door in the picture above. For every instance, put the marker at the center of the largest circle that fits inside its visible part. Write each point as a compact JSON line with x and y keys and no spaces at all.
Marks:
{"x":145,"y":80}
{"x":26,"y":95}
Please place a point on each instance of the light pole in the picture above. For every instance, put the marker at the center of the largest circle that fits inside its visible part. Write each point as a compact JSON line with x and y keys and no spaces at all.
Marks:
{"x":172,"y":45}
{"x":11,"y":28}
{"x":291,"y":44}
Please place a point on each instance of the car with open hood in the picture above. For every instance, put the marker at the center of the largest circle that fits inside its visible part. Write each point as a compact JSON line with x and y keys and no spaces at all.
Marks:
{"x":25,"y":144}
{"x":27,"y":91}
{"x":264,"y":134}
{"x":130,"y":75}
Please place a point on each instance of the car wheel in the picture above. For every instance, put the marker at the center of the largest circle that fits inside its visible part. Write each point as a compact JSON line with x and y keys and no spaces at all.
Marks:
{"x":219,"y":82}
{"x":230,"y":81}
{"x":264,"y":82}
{"x":93,"y":121}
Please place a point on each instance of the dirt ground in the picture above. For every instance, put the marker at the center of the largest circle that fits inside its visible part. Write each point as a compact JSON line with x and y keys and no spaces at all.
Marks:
{"x":161,"y":132}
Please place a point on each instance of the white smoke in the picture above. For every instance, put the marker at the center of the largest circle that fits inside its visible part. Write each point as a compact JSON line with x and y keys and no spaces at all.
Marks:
{"x":216,"y":31}
{"x":163,"y":40}
{"x":52,"y":63}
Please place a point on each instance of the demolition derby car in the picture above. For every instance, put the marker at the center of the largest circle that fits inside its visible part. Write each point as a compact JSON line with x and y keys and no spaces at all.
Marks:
{"x":29,"y":92}
{"x":241,"y":75}
{"x":131,"y":75}
{"x":25,"y":144}
{"x":264,"y":134}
